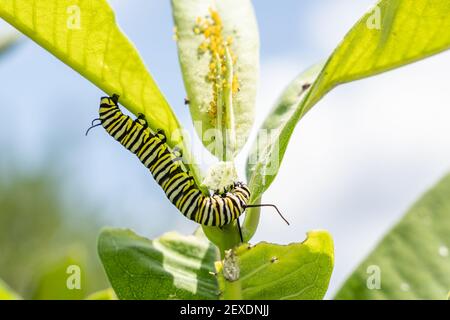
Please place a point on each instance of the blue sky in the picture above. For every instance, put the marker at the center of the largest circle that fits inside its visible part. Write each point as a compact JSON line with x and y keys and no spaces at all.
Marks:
{"x":354,"y":164}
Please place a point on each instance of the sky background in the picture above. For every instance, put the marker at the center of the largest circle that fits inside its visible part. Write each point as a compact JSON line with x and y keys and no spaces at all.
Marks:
{"x":354,"y":165}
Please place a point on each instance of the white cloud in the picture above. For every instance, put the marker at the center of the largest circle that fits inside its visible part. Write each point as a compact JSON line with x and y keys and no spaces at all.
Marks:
{"x":328,"y":21}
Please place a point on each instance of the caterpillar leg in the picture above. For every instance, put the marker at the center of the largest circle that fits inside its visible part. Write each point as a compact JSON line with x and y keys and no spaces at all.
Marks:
{"x":161,"y":135}
{"x":177,"y":151}
{"x":115,"y":98}
{"x":178,"y":154}
{"x":141,"y":120}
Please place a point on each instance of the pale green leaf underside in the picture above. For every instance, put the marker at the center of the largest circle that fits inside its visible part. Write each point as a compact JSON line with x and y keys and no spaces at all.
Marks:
{"x":85,"y":36}
{"x":410,"y":31}
{"x":170,"y":267}
{"x":6,"y":293}
{"x":239,"y":22}
{"x":280,"y":272}
{"x":413,"y":258}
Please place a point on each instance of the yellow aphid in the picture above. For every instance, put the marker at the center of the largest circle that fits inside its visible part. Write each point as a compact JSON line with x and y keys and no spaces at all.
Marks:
{"x":217,"y":45}
{"x":175,"y":35}
{"x":217,"y":30}
{"x":212,"y":110}
{"x":235,"y":84}
{"x":215,"y":16}
{"x":234,"y":58}
{"x":203,"y":47}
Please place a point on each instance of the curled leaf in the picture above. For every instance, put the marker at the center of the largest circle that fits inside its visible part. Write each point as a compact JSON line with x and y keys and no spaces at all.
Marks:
{"x":218,"y":48}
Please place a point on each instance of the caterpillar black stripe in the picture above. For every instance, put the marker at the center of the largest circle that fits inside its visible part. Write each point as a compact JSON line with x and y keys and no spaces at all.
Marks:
{"x":170,"y":173}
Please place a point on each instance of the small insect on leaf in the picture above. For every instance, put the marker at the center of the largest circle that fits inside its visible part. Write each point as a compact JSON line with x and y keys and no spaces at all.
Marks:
{"x":230,"y":266}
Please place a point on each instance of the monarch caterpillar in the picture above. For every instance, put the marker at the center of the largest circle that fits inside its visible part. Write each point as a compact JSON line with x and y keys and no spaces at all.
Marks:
{"x":169,"y":171}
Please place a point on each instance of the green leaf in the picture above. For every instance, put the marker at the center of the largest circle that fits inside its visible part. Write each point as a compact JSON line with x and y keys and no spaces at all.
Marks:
{"x":62,"y":274}
{"x":170,"y":267}
{"x":85,"y":36}
{"x":233,"y":111}
{"x":40,"y":234}
{"x":6,"y":293}
{"x":107,"y":294}
{"x":413,"y":258}
{"x":409,"y":31}
{"x":276,"y":272}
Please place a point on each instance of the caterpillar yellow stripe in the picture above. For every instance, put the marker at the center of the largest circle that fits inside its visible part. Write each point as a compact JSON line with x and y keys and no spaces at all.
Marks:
{"x":170,"y":173}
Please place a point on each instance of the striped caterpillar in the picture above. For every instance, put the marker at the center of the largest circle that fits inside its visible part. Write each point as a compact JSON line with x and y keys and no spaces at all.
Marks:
{"x":168,"y":170}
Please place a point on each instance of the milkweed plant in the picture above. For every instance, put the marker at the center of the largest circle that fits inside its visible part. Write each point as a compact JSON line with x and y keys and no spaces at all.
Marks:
{"x":218,"y":50}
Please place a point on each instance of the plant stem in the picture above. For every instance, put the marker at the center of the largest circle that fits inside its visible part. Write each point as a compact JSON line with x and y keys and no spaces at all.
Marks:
{"x":220,"y":112}
{"x":230,"y":132}
{"x":224,"y":238}
{"x":233,"y":290}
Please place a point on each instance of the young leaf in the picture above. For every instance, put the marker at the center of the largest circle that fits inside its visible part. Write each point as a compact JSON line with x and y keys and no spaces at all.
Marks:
{"x":6,"y":293}
{"x":218,"y":48}
{"x":412,"y":261}
{"x":170,"y":267}
{"x":268,"y":271}
{"x":85,"y":36}
{"x":394,"y":33}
